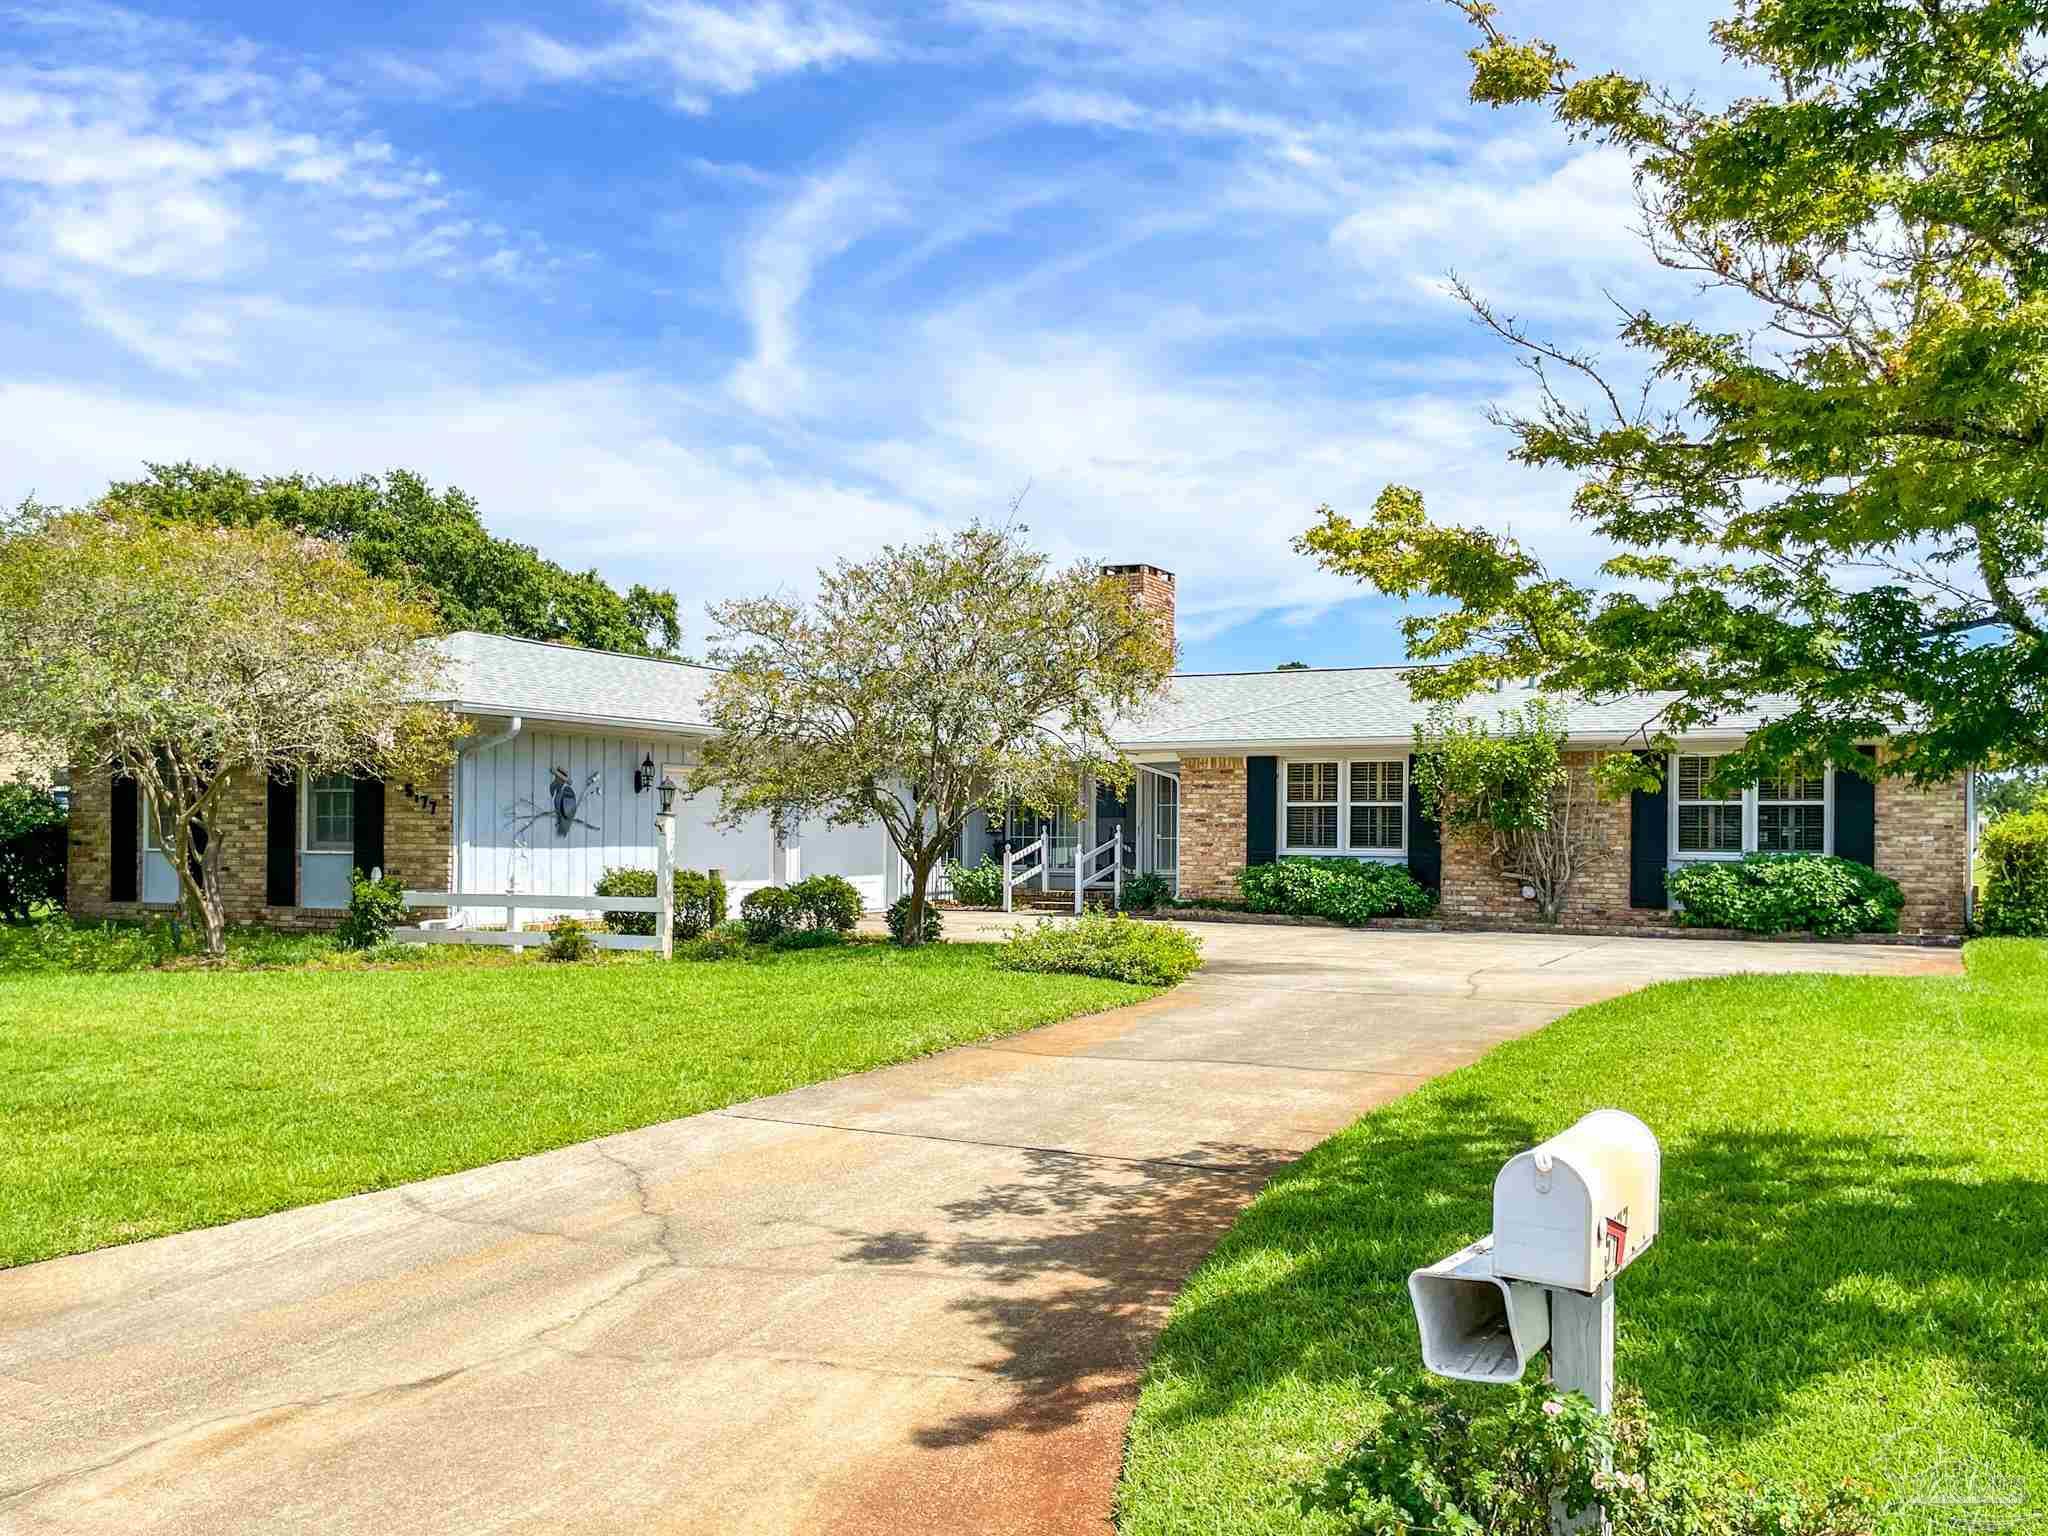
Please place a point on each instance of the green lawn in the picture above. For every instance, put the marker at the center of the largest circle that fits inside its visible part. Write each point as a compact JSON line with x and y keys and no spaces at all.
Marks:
{"x":1852,"y":1279}
{"x":149,"y":1102}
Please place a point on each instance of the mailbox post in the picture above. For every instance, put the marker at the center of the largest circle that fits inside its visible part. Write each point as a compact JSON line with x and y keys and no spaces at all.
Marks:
{"x":1568,"y":1217}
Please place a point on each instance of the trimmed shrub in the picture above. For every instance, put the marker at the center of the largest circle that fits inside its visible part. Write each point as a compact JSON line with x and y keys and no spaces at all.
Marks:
{"x":1786,"y":893}
{"x":699,"y":900}
{"x":899,"y":922}
{"x":769,"y":913}
{"x":375,"y":907}
{"x":2014,"y":853}
{"x":1342,"y":890}
{"x":1432,"y":1464}
{"x":728,"y":941}
{"x":34,"y":848}
{"x":827,"y":903}
{"x":978,"y":886}
{"x":811,"y":938}
{"x":1114,"y":948}
{"x":569,"y":941}
{"x":1148,"y":892}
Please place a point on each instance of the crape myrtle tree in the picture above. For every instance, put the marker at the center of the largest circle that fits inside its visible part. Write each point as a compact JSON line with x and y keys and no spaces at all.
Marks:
{"x":938,"y":678}
{"x":200,"y":659}
{"x":1845,"y":501}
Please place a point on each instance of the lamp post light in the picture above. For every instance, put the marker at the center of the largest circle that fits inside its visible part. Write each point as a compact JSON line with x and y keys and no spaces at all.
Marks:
{"x":665,"y":868}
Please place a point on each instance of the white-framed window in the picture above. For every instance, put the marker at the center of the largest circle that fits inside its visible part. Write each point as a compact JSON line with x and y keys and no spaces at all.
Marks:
{"x":330,"y":814}
{"x":1345,"y":805}
{"x":1165,"y":823}
{"x":1789,"y":814}
{"x":1312,"y":806}
{"x":1379,"y":806}
{"x":1792,"y":814}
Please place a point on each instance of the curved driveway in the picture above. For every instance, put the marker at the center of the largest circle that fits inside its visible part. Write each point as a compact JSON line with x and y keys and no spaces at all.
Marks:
{"x":915,"y":1300}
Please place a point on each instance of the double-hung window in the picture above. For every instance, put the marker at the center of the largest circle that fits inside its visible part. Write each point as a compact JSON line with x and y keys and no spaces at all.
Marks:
{"x":1707,"y":824}
{"x":1379,"y":805}
{"x":1787,"y":814}
{"x":1792,"y":814}
{"x":1345,"y":805}
{"x":1312,"y":807}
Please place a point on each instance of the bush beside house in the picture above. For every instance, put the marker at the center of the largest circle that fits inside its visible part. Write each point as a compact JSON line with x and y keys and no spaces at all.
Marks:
{"x":699,"y":898}
{"x":33,"y":850}
{"x":1787,"y":893}
{"x":1113,"y":948}
{"x":1342,"y":890}
{"x":2015,"y":859}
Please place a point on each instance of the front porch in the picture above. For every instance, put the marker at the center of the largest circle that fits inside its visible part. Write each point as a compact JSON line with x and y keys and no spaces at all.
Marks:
{"x":1147,"y":816}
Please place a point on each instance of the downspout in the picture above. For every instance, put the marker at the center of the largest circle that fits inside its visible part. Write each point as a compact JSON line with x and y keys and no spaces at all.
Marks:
{"x":1970,"y":849}
{"x":512,"y":729}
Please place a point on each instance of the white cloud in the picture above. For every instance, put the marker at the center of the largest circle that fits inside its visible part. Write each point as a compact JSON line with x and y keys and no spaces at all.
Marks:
{"x":697,"y":50}
{"x":774,"y":272}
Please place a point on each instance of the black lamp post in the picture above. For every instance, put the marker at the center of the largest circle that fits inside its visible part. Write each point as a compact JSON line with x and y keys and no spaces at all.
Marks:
{"x":668,"y":794}
{"x":643,"y":776}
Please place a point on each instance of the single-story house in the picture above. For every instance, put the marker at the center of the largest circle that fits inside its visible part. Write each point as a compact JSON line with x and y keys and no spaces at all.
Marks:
{"x":557,"y":782}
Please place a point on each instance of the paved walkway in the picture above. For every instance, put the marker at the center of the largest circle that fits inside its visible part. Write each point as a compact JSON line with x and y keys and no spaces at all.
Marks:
{"x":913,"y":1301}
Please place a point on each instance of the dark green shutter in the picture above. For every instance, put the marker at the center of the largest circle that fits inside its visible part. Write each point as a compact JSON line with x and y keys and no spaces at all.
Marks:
{"x":1261,"y":810}
{"x":1856,"y":814}
{"x":369,"y":823}
{"x":1425,"y":839}
{"x":281,"y":843}
{"x":1649,"y":843}
{"x":126,"y":827}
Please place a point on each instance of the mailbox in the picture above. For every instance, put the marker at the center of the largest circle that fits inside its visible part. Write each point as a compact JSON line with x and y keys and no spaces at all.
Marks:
{"x":1477,"y":1326}
{"x":1577,"y":1210}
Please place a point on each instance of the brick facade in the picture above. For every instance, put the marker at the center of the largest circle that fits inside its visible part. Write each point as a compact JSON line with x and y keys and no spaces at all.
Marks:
{"x":1923,"y":842}
{"x":1212,"y":826}
{"x":1473,"y":890}
{"x":419,"y":847}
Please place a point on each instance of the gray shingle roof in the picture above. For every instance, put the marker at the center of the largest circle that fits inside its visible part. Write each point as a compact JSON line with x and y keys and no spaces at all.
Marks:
{"x":497,"y":675}
{"x":1353,"y":705}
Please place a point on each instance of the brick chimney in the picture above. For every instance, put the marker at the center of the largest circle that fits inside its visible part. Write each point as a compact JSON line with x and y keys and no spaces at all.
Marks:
{"x":1151,"y":592}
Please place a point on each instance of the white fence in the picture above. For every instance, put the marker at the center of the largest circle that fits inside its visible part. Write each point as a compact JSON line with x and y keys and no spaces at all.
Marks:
{"x":513,"y":903}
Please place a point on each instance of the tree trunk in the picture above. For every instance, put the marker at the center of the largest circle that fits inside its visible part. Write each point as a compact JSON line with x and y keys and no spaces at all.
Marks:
{"x":920,"y":881}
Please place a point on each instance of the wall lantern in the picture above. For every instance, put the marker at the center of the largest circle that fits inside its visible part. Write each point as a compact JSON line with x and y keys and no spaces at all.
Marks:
{"x":643,"y":776}
{"x":668,"y":794}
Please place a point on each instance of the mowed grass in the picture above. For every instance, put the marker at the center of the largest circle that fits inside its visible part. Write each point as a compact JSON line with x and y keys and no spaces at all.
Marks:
{"x":154,"y":1101}
{"x":1852,"y":1279}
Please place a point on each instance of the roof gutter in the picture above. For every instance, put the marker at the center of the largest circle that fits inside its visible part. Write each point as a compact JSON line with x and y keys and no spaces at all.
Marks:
{"x":517,"y":725}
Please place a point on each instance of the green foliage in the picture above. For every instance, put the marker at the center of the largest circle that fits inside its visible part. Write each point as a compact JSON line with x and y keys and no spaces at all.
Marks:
{"x":769,"y":913}
{"x":1147,"y":892}
{"x":1488,"y":780}
{"x":698,"y":897}
{"x":1827,"y":487}
{"x":1342,"y":890}
{"x":375,"y":907}
{"x":568,"y":942}
{"x":811,"y":938}
{"x":201,"y":662}
{"x":1431,"y":1465}
{"x":924,"y":684}
{"x":1786,"y":893}
{"x":34,"y":850}
{"x":1115,"y":948}
{"x":827,"y":903}
{"x":398,"y":527}
{"x":2014,"y":853}
{"x":2012,"y":793}
{"x":727,"y":941}
{"x":907,"y":927}
{"x":978,"y":886}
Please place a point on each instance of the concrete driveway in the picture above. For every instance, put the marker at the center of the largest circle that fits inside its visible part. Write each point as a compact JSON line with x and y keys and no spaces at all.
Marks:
{"x":917,"y":1300}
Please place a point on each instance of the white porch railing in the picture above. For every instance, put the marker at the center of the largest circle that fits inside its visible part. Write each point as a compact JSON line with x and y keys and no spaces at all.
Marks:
{"x":451,"y":930}
{"x":1087,"y":872}
{"x":1012,"y":874}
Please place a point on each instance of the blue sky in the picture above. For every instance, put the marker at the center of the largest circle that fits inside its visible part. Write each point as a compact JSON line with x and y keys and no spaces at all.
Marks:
{"x":704,"y":294}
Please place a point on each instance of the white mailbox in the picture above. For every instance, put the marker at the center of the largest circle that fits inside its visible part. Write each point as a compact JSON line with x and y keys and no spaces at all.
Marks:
{"x":1476,"y":1326}
{"x":1577,"y":1210}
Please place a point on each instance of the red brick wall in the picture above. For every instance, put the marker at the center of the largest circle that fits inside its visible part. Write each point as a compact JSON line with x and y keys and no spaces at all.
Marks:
{"x":1152,"y":591}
